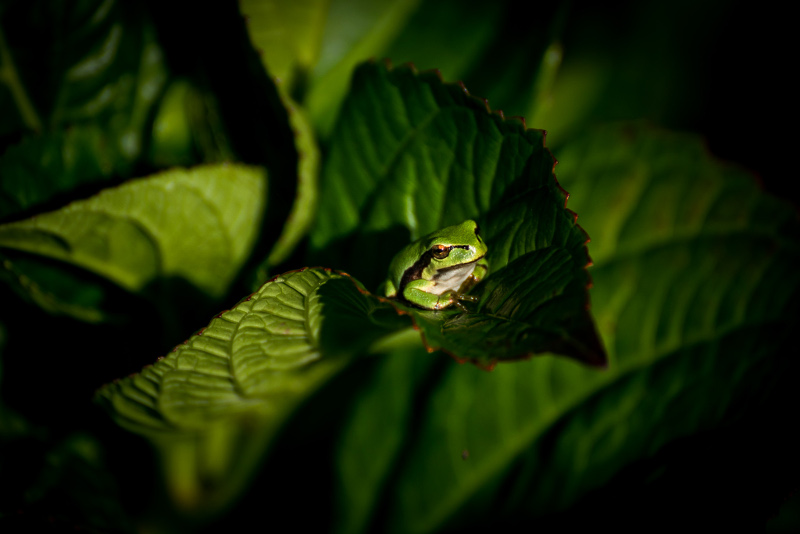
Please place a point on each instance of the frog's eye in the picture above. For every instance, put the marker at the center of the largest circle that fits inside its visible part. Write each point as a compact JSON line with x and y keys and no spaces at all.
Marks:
{"x":440,"y":252}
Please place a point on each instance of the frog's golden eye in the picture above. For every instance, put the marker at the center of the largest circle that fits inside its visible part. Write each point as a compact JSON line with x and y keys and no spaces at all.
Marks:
{"x":440,"y":252}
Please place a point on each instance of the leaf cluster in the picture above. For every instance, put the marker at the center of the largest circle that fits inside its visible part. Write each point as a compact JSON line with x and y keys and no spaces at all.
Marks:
{"x":159,"y":164}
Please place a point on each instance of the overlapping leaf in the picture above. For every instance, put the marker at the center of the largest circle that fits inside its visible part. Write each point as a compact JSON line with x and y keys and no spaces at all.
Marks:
{"x":41,"y":167}
{"x":287,"y":34}
{"x":347,"y":41}
{"x":197,"y":225}
{"x":411,"y":154}
{"x":304,"y":206}
{"x":695,"y":293}
{"x":236,"y":380}
{"x":104,"y":78}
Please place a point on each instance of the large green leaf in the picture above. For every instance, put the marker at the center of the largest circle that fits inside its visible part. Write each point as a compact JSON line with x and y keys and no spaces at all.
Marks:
{"x":197,"y":225}
{"x":696,"y":296}
{"x":213,"y":405}
{"x":411,"y":154}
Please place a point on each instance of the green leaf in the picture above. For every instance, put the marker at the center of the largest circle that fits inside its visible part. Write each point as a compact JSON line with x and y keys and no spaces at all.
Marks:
{"x":497,"y":53}
{"x":304,"y":207}
{"x":527,"y":308}
{"x":187,"y":128}
{"x":355,"y":30}
{"x":86,"y":76}
{"x":410,"y":155}
{"x":41,"y":168}
{"x":62,"y":289}
{"x":213,"y":405}
{"x":696,"y":296}
{"x":109,"y":68}
{"x":287,"y":34}
{"x":379,"y":422}
{"x":196,"y":224}
{"x":488,"y":46}
{"x":449,"y":36}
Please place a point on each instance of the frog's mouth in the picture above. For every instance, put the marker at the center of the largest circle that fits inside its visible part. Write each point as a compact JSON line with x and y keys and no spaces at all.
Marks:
{"x":459,"y":266}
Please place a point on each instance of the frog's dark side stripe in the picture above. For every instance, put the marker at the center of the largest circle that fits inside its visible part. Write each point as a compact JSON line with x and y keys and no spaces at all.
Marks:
{"x":415,"y":271}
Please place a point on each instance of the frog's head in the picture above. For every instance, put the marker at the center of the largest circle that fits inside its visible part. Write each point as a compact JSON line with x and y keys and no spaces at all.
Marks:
{"x":456,"y":245}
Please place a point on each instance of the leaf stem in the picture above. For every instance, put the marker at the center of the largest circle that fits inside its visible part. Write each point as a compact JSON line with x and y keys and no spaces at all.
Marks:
{"x":9,"y":76}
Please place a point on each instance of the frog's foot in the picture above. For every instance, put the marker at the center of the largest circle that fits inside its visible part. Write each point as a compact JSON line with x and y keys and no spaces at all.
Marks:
{"x":462,"y":307}
{"x":447,"y":299}
{"x":464,"y":298}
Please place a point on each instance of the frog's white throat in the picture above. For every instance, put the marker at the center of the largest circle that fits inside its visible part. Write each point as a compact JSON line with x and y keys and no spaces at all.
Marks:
{"x":451,"y":279}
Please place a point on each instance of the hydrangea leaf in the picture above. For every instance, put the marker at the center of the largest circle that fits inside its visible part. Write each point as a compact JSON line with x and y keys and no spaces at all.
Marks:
{"x":231,"y":385}
{"x":696,"y":297}
{"x":195,"y":224}
{"x":411,"y":154}
{"x":84,"y":101}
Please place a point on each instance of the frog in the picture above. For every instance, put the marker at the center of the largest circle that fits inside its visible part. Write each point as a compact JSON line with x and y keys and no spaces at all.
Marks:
{"x":437,"y":270}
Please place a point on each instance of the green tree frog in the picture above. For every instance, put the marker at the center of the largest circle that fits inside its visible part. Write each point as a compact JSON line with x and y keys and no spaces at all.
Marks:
{"x":437,"y":270}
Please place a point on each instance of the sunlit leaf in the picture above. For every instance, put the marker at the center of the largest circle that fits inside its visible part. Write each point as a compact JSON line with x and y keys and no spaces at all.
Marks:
{"x":230,"y":387}
{"x":195,"y":224}
{"x":287,"y":34}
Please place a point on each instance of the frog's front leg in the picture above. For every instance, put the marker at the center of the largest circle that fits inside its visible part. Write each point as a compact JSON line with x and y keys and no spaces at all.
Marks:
{"x":481,"y":270}
{"x":478,"y":274}
{"x":418,"y":292}
{"x":388,"y":288}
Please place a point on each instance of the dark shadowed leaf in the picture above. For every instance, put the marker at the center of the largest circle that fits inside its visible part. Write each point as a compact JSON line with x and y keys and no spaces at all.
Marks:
{"x":696,"y":297}
{"x":41,"y":168}
{"x":355,"y":30}
{"x":86,"y":76}
{"x":304,"y":206}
